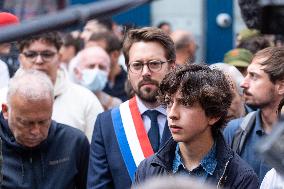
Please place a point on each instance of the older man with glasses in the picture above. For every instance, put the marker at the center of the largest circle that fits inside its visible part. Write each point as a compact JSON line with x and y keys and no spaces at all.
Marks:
{"x":126,"y":135}
{"x":73,"y":105}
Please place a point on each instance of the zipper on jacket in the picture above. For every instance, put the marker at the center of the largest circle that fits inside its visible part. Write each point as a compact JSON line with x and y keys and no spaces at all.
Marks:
{"x":219,"y":185}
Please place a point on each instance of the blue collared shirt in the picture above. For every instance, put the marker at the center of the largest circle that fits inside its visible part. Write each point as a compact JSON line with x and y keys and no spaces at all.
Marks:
{"x":248,"y":153}
{"x":206,"y":167}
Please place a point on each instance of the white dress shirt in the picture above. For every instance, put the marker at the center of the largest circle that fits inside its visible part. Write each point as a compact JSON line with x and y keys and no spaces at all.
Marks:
{"x":162,"y":117}
{"x":4,"y":75}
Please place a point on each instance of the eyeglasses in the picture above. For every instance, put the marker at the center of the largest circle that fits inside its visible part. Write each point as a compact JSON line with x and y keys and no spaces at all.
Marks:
{"x":46,"y":56}
{"x":152,"y":65}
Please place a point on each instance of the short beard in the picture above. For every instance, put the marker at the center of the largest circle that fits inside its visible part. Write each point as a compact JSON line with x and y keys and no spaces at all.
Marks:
{"x":147,"y":95}
{"x":150,"y":98}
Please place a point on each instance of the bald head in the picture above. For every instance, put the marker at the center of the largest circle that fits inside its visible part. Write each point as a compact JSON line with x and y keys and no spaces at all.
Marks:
{"x":234,"y":77}
{"x":29,"y":108}
{"x":30,"y":85}
{"x":233,"y":72}
{"x":93,"y":57}
{"x":185,"y":46}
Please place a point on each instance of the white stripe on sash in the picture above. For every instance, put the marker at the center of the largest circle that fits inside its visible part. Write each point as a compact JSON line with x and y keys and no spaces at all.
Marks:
{"x":130,"y":133}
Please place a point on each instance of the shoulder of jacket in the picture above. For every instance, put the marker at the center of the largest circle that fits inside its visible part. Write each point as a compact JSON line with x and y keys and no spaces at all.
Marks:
{"x":63,"y":129}
{"x":241,"y":173}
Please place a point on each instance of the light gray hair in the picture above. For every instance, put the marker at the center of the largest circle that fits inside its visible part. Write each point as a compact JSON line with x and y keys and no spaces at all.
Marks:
{"x":232,"y":71}
{"x":30,"y":84}
{"x":172,"y":182}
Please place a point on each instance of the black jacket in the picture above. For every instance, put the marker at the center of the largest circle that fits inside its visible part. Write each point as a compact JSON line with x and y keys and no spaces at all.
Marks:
{"x":107,"y":168}
{"x":59,"y":162}
{"x":231,"y":171}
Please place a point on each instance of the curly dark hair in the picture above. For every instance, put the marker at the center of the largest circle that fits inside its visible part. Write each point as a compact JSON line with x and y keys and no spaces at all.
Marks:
{"x":52,"y":38}
{"x":198,"y":83}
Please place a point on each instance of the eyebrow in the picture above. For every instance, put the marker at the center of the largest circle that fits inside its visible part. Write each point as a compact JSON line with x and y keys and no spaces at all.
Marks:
{"x":253,"y":72}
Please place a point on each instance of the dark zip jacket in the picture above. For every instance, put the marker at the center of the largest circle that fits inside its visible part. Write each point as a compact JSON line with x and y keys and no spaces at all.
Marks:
{"x":231,"y":171}
{"x":59,"y":162}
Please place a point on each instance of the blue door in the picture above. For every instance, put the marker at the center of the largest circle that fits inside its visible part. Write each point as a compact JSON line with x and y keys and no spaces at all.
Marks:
{"x":218,"y":39}
{"x":139,"y":16}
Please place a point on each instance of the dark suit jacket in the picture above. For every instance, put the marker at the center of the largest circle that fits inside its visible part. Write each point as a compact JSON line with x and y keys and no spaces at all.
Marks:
{"x":106,"y":166}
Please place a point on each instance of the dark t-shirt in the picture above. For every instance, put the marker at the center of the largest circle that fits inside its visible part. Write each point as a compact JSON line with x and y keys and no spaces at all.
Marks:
{"x":118,"y":89}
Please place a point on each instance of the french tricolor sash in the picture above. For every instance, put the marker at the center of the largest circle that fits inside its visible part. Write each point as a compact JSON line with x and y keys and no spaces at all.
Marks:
{"x":131,"y":135}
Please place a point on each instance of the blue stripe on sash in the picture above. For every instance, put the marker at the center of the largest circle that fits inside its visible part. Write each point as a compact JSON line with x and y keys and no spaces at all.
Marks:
{"x":123,"y":143}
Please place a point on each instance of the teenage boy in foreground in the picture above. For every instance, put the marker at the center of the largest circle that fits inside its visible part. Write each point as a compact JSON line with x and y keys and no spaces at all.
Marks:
{"x":197,"y":100}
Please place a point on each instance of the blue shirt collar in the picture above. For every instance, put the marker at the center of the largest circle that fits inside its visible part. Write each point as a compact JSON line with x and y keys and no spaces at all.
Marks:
{"x":258,"y":129}
{"x":208,"y":163}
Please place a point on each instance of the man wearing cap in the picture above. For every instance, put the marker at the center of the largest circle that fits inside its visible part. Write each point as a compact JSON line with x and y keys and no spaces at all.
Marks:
{"x":246,"y":34}
{"x":240,"y":58}
{"x":5,"y":19}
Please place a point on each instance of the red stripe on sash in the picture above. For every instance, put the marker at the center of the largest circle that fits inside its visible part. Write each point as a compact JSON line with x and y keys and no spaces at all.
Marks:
{"x":140,"y":129}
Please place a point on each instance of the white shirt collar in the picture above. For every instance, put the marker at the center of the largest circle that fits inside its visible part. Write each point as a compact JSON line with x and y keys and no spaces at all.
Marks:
{"x":142,"y":108}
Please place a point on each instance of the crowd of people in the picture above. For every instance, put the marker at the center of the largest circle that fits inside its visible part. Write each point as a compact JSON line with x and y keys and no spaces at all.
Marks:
{"x":111,"y":109}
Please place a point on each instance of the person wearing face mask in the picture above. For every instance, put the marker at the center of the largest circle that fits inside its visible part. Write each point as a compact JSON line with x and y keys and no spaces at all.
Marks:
{"x":91,"y":71}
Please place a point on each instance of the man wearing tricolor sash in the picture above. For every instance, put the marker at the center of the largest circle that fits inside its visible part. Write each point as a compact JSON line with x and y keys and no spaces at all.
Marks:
{"x":126,"y":135}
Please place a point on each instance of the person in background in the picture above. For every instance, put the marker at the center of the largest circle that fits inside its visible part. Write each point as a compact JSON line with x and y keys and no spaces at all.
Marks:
{"x":264,"y":90}
{"x":253,"y":40}
{"x":125,"y":135}
{"x":272,"y":180}
{"x":255,"y":44}
{"x":92,"y":26}
{"x":74,"y":105}
{"x":92,"y":72}
{"x":6,"y":69}
{"x":237,"y":108}
{"x":240,"y":58}
{"x":38,"y":152}
{"x":117,"y":76}
{"x":172,"y":182}
{"x":246,"y":34}
{"x":185,"y":46}
{"x":278,"y":40}
{"x":69,"y":49}
{"x":197,"y":100}
{"x":165,"y":26}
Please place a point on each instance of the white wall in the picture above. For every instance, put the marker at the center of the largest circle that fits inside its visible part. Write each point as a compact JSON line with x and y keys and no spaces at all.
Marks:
{"x":181,"y":14}
{"x":238,"y":21}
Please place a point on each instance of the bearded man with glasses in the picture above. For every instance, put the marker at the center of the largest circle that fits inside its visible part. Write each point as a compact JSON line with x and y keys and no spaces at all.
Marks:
{"x":126,"y":135}
{"x":73,"y":105}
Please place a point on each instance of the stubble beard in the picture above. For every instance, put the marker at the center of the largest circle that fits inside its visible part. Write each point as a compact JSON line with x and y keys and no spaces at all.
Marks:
{"x":148,"y":95}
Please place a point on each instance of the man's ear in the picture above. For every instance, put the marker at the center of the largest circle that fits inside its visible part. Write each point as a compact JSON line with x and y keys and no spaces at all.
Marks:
{"x":115,"y":56}
{"x":172,"y":65}
{"x":5,"y":111}
{"x":280,"y":87}
{"x":128,"y":77}
{"x":20,"y":58}
{"x":213,"y":120}
{"x":77,"y":73}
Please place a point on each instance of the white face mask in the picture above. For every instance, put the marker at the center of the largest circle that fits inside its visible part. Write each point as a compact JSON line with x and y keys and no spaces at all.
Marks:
{"x":94,"y":79}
